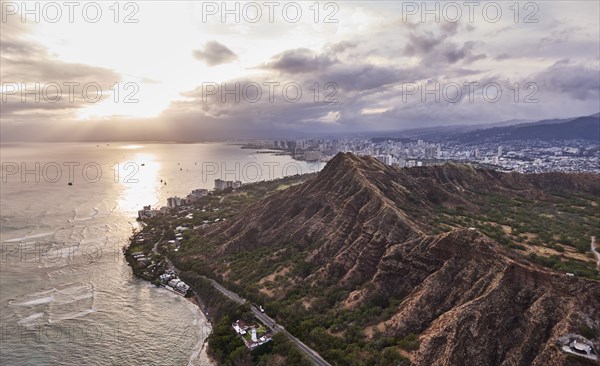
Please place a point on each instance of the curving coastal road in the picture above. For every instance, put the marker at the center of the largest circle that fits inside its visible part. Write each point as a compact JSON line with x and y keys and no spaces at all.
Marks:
{"x":269,"y":322}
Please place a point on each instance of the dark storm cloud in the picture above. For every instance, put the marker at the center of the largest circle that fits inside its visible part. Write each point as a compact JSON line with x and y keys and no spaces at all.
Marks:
{"x":423,"y":43}
{"x":215,"y":117}
{"x":14,"y":43}
{"x":300,"y":60}
{"x":503,"y":56}
{"x":340,"y":47}
{"x":362,"y":78}
{"x":436,"y":48}
{"x":560,"y":34}
{"x":325,"y":67}
{"x":214,"y":53}
{"x":14,"y":47}
{"x":30,"y":70}
{"x":566,"y":77}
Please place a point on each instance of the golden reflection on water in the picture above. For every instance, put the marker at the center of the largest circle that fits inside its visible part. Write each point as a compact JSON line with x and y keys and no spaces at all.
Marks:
{"x":131,"y":147}
{"x":138,"y":178}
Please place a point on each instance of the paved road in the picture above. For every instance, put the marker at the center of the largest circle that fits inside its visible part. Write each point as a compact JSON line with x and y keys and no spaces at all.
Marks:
{"x":230,"y":294}
{"x":269,"y":322}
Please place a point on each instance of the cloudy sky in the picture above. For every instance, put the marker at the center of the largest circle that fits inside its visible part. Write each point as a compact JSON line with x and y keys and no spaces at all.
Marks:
{"x":152,"y":70}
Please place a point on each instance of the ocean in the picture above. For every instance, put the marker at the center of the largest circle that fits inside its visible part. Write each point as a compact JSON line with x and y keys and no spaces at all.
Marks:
{"x":67,"y":296}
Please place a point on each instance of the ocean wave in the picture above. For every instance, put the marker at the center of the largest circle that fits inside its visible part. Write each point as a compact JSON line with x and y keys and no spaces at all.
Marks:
{"x":74,"y":289}
{"x":28,"y":237}
{"x":30,"y":318}
{"x":92,"y":216}
{"x":65,"y":295}
{"x":72,"y":315}
{"x":44,"y":292}
{"x":73,"y":294}
{"x":72,"y":299}
{"x":40,"y":301}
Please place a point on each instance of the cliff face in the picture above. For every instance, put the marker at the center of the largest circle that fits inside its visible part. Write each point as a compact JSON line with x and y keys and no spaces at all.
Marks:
{"x":475,"y":303}
{"x":341,"y":218}
{"x":361,"y":227}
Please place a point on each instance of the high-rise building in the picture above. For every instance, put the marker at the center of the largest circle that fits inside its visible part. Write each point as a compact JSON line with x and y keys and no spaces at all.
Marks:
{"x":224,"y":184}
{"x":386,"y":159}
{"x":220,"y":184}
{"x":173,"y":202}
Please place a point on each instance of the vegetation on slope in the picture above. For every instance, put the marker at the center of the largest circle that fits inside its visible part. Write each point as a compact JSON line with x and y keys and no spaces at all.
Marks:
{"x":313,"y":254}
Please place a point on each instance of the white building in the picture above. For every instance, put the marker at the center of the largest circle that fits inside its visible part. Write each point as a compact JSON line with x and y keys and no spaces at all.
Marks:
{"x":386,"y":159}
{"x":224,"y":184}
{"x":147,"y":212}
{"x":173,"y":202}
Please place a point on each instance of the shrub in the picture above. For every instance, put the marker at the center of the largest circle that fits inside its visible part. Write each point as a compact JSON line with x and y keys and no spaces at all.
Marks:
{"x":410,"y":342}
{"x":587,"y":331}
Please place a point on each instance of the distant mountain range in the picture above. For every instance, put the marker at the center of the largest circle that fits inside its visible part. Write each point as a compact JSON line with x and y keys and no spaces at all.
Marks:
{"x":580,"y":128}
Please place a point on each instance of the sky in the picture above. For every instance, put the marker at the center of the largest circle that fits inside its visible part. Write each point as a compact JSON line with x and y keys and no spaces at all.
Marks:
{"x":194,"y":71}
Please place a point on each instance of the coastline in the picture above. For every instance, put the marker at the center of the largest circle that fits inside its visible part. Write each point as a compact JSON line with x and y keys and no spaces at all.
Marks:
{"x":199,"y":353}
{"x":149,"y":259}
{"x":203,"y":349}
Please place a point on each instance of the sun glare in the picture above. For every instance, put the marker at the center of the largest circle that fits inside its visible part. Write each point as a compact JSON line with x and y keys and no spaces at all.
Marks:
{"x":138,"y":179}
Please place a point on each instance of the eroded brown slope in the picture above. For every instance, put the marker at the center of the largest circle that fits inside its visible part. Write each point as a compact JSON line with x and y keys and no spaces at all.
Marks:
{"x":475,"y":303}
{"x":341,"y":218}
{"x":361,"y":225}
